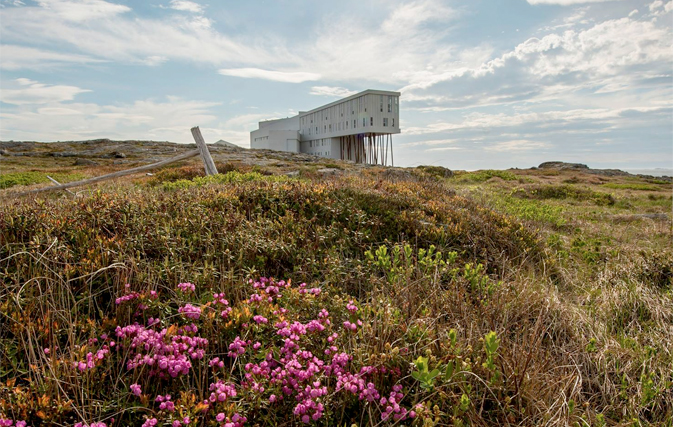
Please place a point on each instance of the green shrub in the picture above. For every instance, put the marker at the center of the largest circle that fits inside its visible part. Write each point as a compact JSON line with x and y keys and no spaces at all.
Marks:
{"x":436,"y":171}
{"x":485,"y":175}
{"x":29,"y":178}
{"x":563,"y":192}
{"x":530,"y":210}
{"x":633,"y":186}
{"x":222,"y":178}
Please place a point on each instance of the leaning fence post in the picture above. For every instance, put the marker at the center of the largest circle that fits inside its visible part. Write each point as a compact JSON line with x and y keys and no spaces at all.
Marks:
{"x":205,"y":154}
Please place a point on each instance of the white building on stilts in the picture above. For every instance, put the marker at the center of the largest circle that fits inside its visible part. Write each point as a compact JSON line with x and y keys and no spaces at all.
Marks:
{"x":357,"y":128}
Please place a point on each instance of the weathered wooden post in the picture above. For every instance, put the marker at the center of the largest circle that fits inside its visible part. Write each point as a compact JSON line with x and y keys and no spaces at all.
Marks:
{"x":205,"y":154}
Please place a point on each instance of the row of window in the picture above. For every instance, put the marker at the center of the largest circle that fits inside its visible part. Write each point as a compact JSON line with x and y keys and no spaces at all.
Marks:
{"x":360,"y":104}
{"x":344,"y":125}
{"x":320,"y":143}
{"x":262,"y":138}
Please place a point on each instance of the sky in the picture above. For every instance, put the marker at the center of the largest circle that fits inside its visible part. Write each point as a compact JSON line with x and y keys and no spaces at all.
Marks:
{"x":484,"y":83}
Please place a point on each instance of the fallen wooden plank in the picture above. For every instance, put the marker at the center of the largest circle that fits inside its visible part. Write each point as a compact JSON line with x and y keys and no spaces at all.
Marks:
{"x":112,"y":175}
{"x":58,"y":183}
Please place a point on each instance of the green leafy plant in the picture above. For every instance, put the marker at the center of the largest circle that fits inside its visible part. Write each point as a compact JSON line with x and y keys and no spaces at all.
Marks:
{"x":423,"y":375}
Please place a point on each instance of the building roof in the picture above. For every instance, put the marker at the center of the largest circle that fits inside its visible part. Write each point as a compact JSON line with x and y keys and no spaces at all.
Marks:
{"x":348,"y":98}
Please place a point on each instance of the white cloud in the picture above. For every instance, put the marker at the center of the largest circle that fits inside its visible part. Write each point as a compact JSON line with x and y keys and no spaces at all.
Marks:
{"x":279,"y":76}
{"x":168,"y":119}
{"x":633,"y":13}
{"x":431,"y":142}
{"x":186,"y":6}
{"x":565,"y":2}
{"x":338,"y":92}
{"x":19,"y":57}
{"x":516,"y":145}
{"x":154,"y":60}
{"x":444,"y":148}
{"x":411,"y":15}
{"x":32,"y":92}
{"x":83,"y":10}
{"x":131,"y":39}
{"x":486,"y":121}
{"x":42,"y":112}
{"x":655,"y":5}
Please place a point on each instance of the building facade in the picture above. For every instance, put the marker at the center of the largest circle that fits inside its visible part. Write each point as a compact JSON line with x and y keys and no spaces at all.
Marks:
{"x":357,"y":128}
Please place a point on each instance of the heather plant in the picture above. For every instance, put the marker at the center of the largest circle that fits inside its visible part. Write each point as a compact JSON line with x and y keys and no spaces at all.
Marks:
{"x":423,"y":306}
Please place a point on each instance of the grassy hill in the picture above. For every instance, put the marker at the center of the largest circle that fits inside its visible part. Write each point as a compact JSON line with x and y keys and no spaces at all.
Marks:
{"x":283,"y":293}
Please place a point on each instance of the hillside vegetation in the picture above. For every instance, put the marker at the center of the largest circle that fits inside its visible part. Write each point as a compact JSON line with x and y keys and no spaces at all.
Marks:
{"x":366,"y":296}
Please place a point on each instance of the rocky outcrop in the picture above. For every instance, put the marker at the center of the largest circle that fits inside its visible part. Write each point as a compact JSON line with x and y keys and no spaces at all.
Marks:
{"x":562,"y":165}
{"x":581,"y":167}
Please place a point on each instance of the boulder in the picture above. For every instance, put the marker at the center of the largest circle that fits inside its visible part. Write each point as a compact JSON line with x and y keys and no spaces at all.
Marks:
{"x":329,"y":171}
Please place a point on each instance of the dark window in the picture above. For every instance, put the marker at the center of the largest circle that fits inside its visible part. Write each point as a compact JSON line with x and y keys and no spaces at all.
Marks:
{"x":371,"y":121}
{"x":393,"y":122}
{"x":385,"y":121}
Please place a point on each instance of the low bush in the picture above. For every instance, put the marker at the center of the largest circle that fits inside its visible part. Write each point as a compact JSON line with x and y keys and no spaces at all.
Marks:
{"x":9,"y":180}
{"x":634,"y":186}
{"x":563,"y":192}
{"x":485,"y":175}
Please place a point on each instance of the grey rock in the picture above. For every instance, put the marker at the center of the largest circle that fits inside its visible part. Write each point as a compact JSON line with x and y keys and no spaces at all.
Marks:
{"x":562,"y":165}
{"x":292,"y":173}
{"x":329,"y":171}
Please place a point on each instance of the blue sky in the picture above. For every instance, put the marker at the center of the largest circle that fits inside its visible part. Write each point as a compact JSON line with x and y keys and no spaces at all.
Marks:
{"x":485,"y":84}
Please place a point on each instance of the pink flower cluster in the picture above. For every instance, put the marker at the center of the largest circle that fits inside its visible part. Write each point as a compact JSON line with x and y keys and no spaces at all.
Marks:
{"x":219,"y":299}
{"x":221,"y":391}
{"x":91,"y":359}
{"x":268,"y":290}
{"x":165,"y":403}
{"x":352,"y":326}
{"x":235,"y":421}
{"x":313,"y":291}
{"x":216,"y":362}
{"x":392,"y":406}
{"x":128,"y":296}
{"x":135,"y":389}
{"x":150,"y":422}
{"x":165,"y":355}
{"x":294,"y":361}
{"x":178,"y":423}
{"x":260,"y":319}
{"x":5,"y":422}
{"x":95,"y":424}
{"x":237,"y":347}
{"x":190,"y":311}
{"x":186,"y":287}
{"x":300,"y":374}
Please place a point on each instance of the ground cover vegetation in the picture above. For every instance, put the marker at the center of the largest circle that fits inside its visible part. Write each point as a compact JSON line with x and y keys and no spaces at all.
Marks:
{"x":368,"y":297}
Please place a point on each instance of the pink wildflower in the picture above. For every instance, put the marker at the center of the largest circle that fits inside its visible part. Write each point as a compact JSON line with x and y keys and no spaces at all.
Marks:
{"x":135,"y":389}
